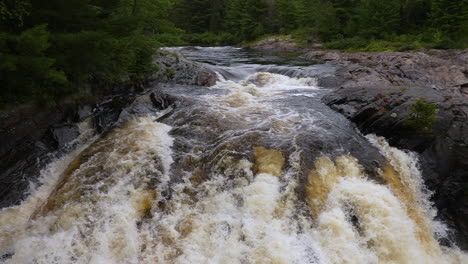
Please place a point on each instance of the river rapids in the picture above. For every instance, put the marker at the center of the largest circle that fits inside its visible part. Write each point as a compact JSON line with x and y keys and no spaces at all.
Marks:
{"x":252,"y":170}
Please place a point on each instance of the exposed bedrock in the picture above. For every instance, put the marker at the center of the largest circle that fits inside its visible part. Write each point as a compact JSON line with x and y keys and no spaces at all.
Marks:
{"x":443,"y":147}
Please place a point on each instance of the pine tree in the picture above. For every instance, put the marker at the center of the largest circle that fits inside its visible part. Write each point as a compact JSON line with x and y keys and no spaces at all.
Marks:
{"x":379,"y":17}
{"x":328,"y":26}
{"x":288,"y":14}
{"x":451,"y":17}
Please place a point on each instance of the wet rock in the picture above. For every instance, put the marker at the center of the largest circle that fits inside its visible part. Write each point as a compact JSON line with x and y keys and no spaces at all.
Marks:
{"x":19,"y":167}
{"x":25,"y":123}
{"x":190,"y":48}
{"x":21,"y":132}
{"x":64,"y":134}
{"x":107,"y":113}
{"x":283,"y":43}
{"x":6,"y":256}
{"x":444,"y":152}
{"x":443,"y":70}
{"x":174,"y":67}
{"x":30,"y":137}
{"x":161,"y":101}
{"x":83,"y":112}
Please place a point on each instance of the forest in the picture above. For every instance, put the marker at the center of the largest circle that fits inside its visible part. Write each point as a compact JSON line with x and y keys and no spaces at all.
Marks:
{"x":56,"y":49}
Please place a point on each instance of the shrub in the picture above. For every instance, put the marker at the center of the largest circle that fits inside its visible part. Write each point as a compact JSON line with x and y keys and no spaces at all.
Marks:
{"x":423,"y":116}
{"x":210,"y":39}
{"x":349,"y":44}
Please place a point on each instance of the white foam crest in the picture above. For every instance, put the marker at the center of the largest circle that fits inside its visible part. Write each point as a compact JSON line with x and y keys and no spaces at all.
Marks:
{"x":275,"y":81}
{"x":385,"y":234}
{"x":15,"y":219}
{"x":239,"y":225}
{"x":264,"y":84}
{"x":407,"y":165}
{"x":250,"y":105}
{"x":101,"y":225}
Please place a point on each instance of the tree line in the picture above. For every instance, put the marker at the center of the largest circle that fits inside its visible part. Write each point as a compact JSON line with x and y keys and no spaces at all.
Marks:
{"x":54,"y":49}
{"x":442,"y":23}
{"x":51,"y":49}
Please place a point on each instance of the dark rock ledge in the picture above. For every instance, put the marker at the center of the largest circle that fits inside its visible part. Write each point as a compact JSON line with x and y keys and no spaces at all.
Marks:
{"x":30,"y":136}
{"x":443,"y":152}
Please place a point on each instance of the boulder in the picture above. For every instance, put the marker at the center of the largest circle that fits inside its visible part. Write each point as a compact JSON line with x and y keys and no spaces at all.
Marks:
{"x":173,"y":67}
{"x":283,"y":43}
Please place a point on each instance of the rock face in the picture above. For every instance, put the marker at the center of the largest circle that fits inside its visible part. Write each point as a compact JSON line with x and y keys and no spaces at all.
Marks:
{"x":443,"y":151}
{"x":284,"y":43}
{"x":443,"y":70}
{"x":377,"y":90}
{"x":174,"y":67}
{"x":31,"y":138}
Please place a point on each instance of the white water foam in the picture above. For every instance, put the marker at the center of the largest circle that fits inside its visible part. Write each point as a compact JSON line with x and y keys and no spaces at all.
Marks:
{"x":101,"y":225}
{"x":114,"y":207}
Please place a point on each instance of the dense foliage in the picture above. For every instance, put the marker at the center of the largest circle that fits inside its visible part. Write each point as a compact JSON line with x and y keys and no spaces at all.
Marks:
{"x":50,"y":49}
{"x":351,"y":23}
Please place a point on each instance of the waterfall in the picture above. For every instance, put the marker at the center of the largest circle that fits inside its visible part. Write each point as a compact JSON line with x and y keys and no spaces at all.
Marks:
{"x":231,"y":178}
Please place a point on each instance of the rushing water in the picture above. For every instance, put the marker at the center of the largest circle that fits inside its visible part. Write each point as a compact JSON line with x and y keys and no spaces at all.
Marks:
{"x":252,"y":170}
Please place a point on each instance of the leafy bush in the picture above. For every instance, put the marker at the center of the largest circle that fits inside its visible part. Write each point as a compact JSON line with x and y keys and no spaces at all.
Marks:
{"x":396,"y":44}
{"x":380,"y":45}
{"x":210,"y":39}
{"x":423,"y":116}
{"x":171,"y":40}
{"x":347,"y":44}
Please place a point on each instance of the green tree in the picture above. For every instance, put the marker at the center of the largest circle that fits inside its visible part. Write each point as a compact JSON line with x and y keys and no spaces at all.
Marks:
{"x":25,"y":69}
{"x":379,"y":18}
{"x":328,"y":27}
{"x":12,"y":14}
{"x":58,"y":46}
{"x":288,"y":14}
{"x":414,"y":15}
{"x":451,"y":18}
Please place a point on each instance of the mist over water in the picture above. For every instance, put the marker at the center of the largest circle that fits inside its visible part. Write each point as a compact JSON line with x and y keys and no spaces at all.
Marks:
{"x":252,"y":170}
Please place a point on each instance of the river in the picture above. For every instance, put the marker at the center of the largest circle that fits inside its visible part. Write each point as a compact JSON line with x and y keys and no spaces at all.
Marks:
{"x":255,"y":169}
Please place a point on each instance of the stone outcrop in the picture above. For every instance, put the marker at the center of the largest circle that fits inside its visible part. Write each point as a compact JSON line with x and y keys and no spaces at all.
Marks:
{"x":173,"y":67}
{"x":438,"y":69}
{"x":284,"y":43}
{"x":376,"y":91}
{"x":443,"y":150}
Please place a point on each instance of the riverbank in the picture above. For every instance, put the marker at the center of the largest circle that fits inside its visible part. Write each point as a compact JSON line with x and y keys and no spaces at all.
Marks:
{"x":29,"y":133}
{"x":439,"y":69}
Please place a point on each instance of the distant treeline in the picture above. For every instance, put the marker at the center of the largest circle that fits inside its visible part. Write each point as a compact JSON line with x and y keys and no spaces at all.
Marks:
{"x":54,"y":49}
{"x":441,"y":23}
